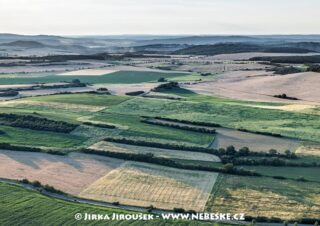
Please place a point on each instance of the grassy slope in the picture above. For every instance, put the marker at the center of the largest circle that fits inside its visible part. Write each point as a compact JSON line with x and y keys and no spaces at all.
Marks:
{"x":310,"y":173}
{"x":48,"y":112}
{"x":83,"y":98}
{"x":229,"y":113}
{"x":22,"y":207}
{"x":30,"y":137}
{"x":50,"y":139}
{"x":137,"y":128}
{"x":63,"y":113}
{"x":117,"y":78}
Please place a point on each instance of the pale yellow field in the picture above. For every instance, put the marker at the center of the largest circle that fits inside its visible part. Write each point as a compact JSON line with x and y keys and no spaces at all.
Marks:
{"x":142,"y":184}
{"x":258,"y":203}
{"x":261,"y":86}
{"x":289,"y":107}
{"x":158,"y":152}
{"x":64,"y":106}
{"x":313,"y":150}
{"x":70,"y":173}
{"x":256,"y":196}
{"x":88,"y":72}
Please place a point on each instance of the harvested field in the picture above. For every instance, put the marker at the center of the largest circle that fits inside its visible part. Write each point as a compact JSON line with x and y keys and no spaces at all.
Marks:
{"x":142,"y":184}
{"x":70,"y":173}
{"x":261,"y":86}
{"x":220,"y":67}
{"x":86,"y":72}
{"x":158,"y":152}
{"x":260,"y":143}
{"x":309,"y":149}
{"x":267,"y":197}
{"x":23,"y":86}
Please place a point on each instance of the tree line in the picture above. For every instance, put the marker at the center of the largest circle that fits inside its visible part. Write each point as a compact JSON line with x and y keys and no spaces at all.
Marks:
{"x":150,"y":158}
{"x":228,"y":154}
{"x":177,"y":126}
{"x":10,"y":147}
{"x":36,"y":123}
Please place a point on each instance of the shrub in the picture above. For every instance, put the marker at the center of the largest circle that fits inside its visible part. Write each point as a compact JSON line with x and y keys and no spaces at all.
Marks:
{"x":178,"y":210}
{"x":10,"y":93}
{"x":314,"y":68}
{"x":301,"y":179}
{"x":36,"y":183}
{"x":165,"y":86}
{"x":25,"y":181}
{"x":99,"y":125}
{"x":273,"y":152}
{"x":135,"y":93}
{"x":284,"y":96}
{"x":162,"y":80}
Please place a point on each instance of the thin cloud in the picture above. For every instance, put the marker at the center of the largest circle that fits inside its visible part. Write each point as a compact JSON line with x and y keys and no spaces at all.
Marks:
{"x":85,"y":17}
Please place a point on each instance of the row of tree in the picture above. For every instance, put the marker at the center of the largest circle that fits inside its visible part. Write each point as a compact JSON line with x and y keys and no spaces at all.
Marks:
{"x":228,"y":154}
{"x":10,"y":147}
{"x":100,"y":125}
{"x":209,"y":124}
{"x":150,"y":158}
{"x":36,"y":123}
{"x":38,"y":185}
{"x":180,"y":126}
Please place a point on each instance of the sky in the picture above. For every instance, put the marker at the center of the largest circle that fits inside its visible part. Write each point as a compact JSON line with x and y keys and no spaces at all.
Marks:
{"x":110,"y":17}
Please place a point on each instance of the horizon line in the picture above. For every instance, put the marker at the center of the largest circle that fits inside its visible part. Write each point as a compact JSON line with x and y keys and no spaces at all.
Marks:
{"x":152,"y":34}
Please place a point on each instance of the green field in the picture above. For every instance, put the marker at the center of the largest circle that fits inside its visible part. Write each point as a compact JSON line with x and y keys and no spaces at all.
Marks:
{"x":83,"y":98}
{"x":125,"y":77}
{"x":136,"y":128}
{"x":229,"y":113}
{"x":130,"y":125}
{"x":58,"y":106}
{"x":30,"y":137}
{"x":19,"y":206}
{"x":309,"y":173}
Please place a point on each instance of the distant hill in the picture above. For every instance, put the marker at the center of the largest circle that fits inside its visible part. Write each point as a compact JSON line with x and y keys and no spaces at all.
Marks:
{"x":32,"y":44}
{"x":290,"y":59}
{"x":200,"y":40}
{"x":35,"y":45}
{"x":160,"y":48}
{"x":25,"y":44}
{"x":313,"y":46}
{"x":228,"y":48}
